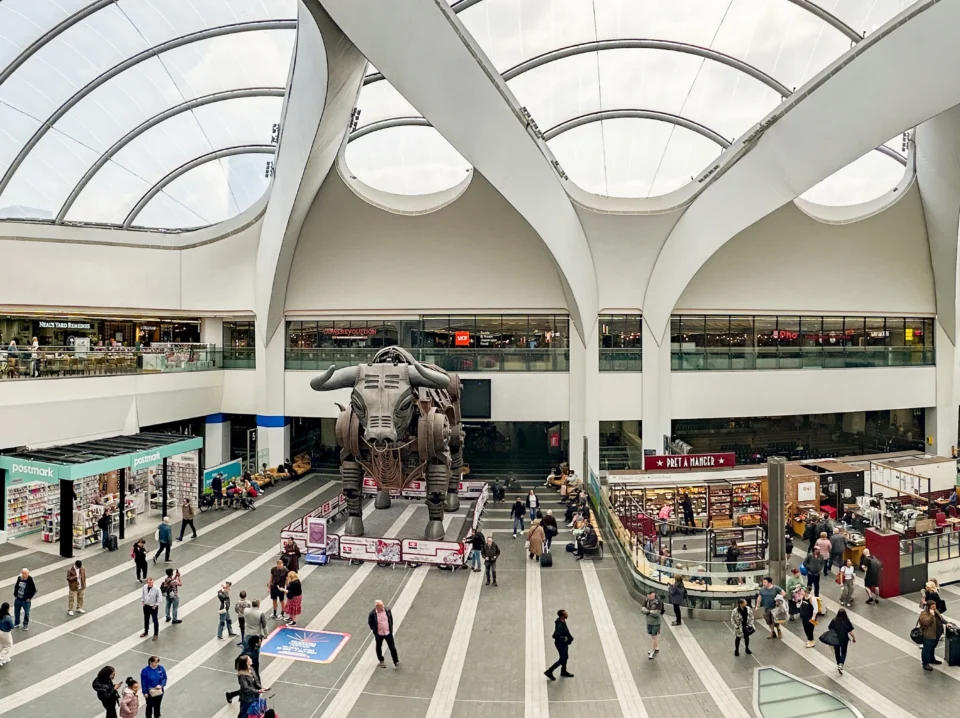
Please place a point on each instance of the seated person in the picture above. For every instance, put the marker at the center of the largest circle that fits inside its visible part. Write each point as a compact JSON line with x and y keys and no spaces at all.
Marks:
{"x":249,"y":490}
{"x":281,"y":468}
{"x":954,"y":499}
{"x":568,"y":515}
{"x":255,"y":484}
{"x":288,"y":467}
{"x":586,"y":540}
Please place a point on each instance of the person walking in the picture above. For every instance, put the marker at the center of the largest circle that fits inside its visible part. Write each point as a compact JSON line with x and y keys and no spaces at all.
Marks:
{"x":223,"y":595}
{"x":844,"y":629}
{"x":653,"y":609}
{"x":250,"y":688}
{"x":665,"y":514}
{"x":276,"y":584}
{"x":170,"y":588}
{"x":23,"y":592}
{"x":535,"y":539}
{"x":294,"y":598}
{"x":847,"y":576}
{"x":6,"y":634}
{"x":931,"y":592}
{"x":476,"y":549}
{"x":240,"y":608}
{"x":794,"y":592}
{"x":491,"y":552}
{"x":767,"y":599}
{"x":130,"y":699}
{"x":562,"y":638}
{"x":814,"y":564}
{"x":165,"y":539}
{"x":380,"y":621}
{"x":150,"y":600}
{"x":153,"y":683}
{"x":108,"y":692}
{"x":103,"y":523}
{"x":139,"y":555}
{"x":824,"y":547}
{"x":76,"y":585}
{"x":743,"y":626}
{"x":254,"y":621}
{"x":252,"y":648}
{"x":838,"y":545}
{"x":517,"y":511}
{"x":186,"y":519}
{"x":808,"y":617}
{"x":533,"y":504}
{"x":686,"y":505}
{"x":677,"y":595}
{"x":731,"y":558}
{"x":873,"y":569}
{"x":931,"y":628}
{"x":550,"y":528}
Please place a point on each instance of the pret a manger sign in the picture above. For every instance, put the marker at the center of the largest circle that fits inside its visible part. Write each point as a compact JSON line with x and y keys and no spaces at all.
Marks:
{"x":689,"y":461}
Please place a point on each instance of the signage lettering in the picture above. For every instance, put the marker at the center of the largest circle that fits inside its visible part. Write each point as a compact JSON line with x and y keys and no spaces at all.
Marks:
{"x":351,"y":332}
{"x":140,"y":460}
{"x":63,"y":325}
{"x":32,"y":470}
{"x":689,"y":461}
{"x":461,"y":339}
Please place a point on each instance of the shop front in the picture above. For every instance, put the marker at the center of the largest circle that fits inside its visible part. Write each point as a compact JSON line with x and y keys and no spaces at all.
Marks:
{"x":61,"y":492}
{"x":88,"y":332}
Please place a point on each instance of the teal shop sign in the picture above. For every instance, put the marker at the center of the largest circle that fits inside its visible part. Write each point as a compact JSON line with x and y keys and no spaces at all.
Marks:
{"x":145,"y":459}
{"x":20,"y":471}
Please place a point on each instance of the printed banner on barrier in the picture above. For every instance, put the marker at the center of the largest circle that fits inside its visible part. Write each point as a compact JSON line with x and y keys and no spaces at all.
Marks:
{"x":299,"y":644}
{"x":435,"y":553}
{"x":230,"y":470}
{"x":418,"y":489}
{"x":470,"y":489}
{"x":316,"y":533}
{"x":363,"y":548}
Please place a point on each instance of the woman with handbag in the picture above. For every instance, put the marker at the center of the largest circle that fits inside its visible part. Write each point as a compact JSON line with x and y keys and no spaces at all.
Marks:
{"x":845,"y":577}
{"x":843,"y":629}
{"x":535,"y":540}
{"x":808,"y":617}
{"x":153,"y":683}
{"x":743,"y":628}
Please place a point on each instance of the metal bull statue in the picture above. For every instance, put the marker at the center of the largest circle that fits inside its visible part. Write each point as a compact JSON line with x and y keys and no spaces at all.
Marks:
{"x":402,"y":424}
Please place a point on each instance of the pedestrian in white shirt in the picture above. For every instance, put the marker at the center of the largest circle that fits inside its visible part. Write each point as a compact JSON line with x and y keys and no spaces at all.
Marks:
{"x":847,"y":572}
{"x":150,"y":599}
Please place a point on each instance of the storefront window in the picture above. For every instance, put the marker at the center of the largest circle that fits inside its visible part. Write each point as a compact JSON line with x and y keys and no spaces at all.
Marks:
{"x":811,"y":331}
{"x":692,"y":329}
{"x":895,"y":330}
{"x":718,"y":332}
{"x":239,"y":335}
{"x":741,"y":332}
{"x":766,"y":328}
{"x":876,"y":332}
{"x":855,"y":331}
{"x":788,"y":331}
{"x":832,"y":332}
{"x":913,"y":332}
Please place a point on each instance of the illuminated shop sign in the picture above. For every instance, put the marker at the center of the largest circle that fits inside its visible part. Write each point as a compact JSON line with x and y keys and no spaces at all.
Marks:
{"x":44,"y":324}
{"x":352,"y":332}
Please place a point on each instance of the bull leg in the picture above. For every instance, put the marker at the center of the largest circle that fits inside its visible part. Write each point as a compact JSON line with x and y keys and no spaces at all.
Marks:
{"x":452,"y":502}
{"x":383,"y":500}
{"x":437,"y":481}
{"x":351,"y":476}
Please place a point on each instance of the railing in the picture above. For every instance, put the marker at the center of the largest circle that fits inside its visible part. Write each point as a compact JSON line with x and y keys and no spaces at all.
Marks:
{"x":59,"y":362}
{"x":239,"y":358}
{"x":762,"y":358}
{"x":461,"y":360}
{"x":621,"y":359}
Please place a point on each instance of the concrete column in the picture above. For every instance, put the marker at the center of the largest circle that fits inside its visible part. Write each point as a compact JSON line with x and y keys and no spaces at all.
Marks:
{"x":211,"y":331}
{"x":216,"y":440}
{"x":657,"y":408}
{"x":273,"y":434}
{"x":583,"y":401}
{"x":941,"y":421}
{"x":776,"y":518}
{"x":273,"y":429}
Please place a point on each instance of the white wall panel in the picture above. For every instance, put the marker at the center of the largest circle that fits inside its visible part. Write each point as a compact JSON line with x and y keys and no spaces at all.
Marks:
{"x":514,"y":396}
{"x":220,"y":276}
{"x":474,"y":253}
{"x":170,"y":397}
{"x":716,"y":394}
{"x":790,"y":262}
{"x":621,"y":396}
{"x":239,"y":392}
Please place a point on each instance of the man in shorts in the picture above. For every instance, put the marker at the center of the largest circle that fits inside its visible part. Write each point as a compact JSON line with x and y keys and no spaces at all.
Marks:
{"x":278,"y":579}
{"x":652,"y":610}
{"x":767,"y":599}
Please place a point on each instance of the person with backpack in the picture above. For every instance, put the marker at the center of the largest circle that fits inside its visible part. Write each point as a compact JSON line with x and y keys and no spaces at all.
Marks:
{"x":491,"y":552}
{"x":108,"y":692}
{"x":476,"y":548}
{"x":165,"y":539}
{"x":677,"y":594}
{"x":103,"y":523}
{"x":170,"y":589}
{"x":562,"y":638}
{"x":216,"y":486}
{"x":653,"y":610}
{"x":139,"y":555}
{"x":550,"y":528}
{"x":240,"y":608}
{"x":872,"y":568}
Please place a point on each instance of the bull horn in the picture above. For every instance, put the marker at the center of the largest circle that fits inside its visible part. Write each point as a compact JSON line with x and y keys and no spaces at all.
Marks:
{"x":421,"y":375}
{"x":334,"y":378}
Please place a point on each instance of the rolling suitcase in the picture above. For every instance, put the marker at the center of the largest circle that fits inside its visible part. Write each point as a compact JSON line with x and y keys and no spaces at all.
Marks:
{"x":951,"y":645}
{"x":112,"y":543}
{"x":546,"y":561}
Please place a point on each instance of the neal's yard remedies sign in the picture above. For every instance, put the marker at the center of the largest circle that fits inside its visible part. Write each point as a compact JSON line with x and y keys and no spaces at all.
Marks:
{"x":689,"y":461}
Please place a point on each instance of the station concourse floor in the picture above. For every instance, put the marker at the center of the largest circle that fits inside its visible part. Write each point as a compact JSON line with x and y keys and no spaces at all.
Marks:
{"x":466,"y":650}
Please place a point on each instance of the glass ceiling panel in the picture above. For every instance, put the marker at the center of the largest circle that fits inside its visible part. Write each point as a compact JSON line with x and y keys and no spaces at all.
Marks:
{"x":406,"y":160}
{"x":163,"y":212}
{"x":67,"y":64}
{"x":865,"y":16}
{"x":381,"y":101}
{"x":632,"y":157}
{"x":864,"y":179}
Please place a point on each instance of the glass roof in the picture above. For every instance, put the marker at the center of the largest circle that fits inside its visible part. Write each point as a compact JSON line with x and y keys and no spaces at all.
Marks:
{"x":781,"y":695}
{"x":145,"y":113}
{"x":683,"y":78}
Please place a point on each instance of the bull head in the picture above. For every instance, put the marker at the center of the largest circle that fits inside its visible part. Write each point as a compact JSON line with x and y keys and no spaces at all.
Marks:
{"x":383,"y":399}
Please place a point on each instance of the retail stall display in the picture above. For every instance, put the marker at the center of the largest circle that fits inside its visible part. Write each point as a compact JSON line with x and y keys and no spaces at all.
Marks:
{"x":183,"y":477}
{"x":26,"y":504}
{"x":720,"y":505}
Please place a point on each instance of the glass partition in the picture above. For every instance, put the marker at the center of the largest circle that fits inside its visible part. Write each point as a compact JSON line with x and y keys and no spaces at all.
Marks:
{"x":733,"y":343}
{"x":620,"y":339}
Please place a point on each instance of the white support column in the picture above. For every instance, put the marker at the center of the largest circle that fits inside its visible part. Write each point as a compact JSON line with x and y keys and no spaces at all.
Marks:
{"x":211,"y":331}
{"x":579,"y":398}
{"x":273,"y":429}
{"x":216,"y":440}
{"x":657,"y":389}
{"x":941,"y":421}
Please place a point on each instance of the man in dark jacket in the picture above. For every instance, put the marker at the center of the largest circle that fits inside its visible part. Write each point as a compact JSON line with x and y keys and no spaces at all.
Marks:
{"x":550,"y":528}
{"x":491,"y":552}
{"x":23,"y":592}
{"x":380,"y":620}
{"x":476,"y":549}
{"x":838,"y":544}
{"x":686,"y":506}
{"x":517,"y":511}
{"x":562,"y":638}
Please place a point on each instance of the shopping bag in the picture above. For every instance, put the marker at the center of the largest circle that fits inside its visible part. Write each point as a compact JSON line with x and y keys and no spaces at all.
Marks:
{"x":803,"y":570}
{"x":830,"y":638}
{"x":526,"y":545}
{"x":916,"y":635}
{"x":839,"y":579}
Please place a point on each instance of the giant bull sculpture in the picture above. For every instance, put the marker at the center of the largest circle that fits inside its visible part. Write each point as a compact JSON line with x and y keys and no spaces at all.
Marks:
{"x":402,"y":424}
